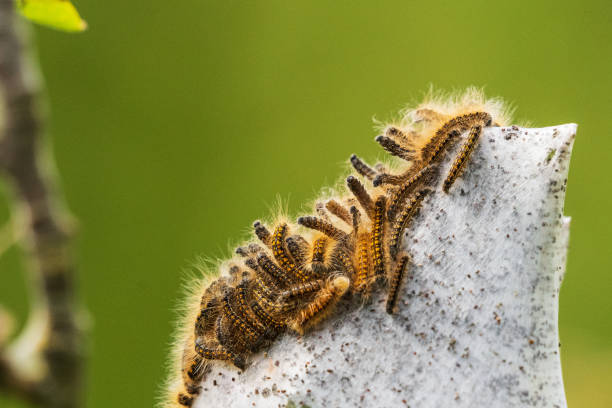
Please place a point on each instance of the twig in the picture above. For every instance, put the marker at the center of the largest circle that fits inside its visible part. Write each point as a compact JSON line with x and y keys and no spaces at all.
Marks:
{"x":57,"y":381}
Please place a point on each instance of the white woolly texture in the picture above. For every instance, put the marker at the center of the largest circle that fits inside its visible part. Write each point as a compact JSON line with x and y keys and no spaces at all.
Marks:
{"x":477,"y":320}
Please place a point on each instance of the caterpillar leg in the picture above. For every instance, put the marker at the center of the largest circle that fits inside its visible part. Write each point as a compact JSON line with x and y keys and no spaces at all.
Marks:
{"x":463,"y":156}
{"x":395,"y":281}
{"x":322,"y":304}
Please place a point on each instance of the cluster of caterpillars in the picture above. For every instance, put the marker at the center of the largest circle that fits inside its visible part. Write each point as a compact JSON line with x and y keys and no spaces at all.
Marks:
{"x":293,"y":280}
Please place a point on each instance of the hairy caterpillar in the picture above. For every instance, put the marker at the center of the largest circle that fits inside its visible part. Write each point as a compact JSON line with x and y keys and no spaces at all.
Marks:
{"x":297,"y":272}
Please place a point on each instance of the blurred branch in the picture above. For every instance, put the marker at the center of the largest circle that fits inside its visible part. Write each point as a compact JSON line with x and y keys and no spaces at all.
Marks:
{"x":43,"y":365}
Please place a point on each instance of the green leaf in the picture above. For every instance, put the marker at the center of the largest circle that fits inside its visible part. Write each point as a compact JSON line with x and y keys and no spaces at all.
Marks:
{"x":58,"y":14}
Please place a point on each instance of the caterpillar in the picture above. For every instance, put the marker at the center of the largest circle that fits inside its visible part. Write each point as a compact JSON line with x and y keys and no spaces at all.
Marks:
{"x":292,"y":274}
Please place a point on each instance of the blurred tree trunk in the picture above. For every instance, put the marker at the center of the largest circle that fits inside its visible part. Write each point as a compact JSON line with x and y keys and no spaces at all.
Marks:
{"x":44,"y":364}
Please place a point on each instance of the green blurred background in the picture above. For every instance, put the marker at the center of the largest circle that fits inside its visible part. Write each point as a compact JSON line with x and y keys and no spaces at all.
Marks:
{"x":175,"y":124}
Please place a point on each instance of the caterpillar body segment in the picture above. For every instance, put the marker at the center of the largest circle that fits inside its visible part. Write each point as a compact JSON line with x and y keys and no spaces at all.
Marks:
{"x":302,"y":289}
{"x":299,"y":248}
{"x":193,"y":370}
{"x":319,"y":248}
{"x":284,"y":258}
{"x":364,"y":263}
{"x":262,"y":232}
{"x":207,"y":315}
{"x":218,"y":353}
{"x":356,"y":219}
{"x":278,"y":274}
{"x":339,"y":211}
{"x":400,"y":136}
{"x":361,"y":194}
{"x":362,"y":168}
{"x":400,"y":223}
{"x":266,"y":318}
{"x":464,"y":154}
{"x":342,"y":261}
{"x":323,"y":226}
{"x":394,"y":148}
{"x":450,"y":129}
{"x":395,"y":281}
{"x":399,"y":195}
{"x":321,"y":306}
{"x":378,"y":236}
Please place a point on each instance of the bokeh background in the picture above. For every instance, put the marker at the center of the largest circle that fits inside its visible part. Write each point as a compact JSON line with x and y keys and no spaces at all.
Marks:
{"x":175,"y":124}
